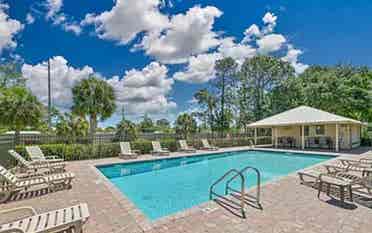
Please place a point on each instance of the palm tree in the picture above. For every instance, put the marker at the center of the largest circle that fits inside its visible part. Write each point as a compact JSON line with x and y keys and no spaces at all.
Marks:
{"x":71,"y":126}
{"x":19,"y":109}
{"x":208,"y":102}
{"x":185,"y":124}
{"x":94,"y":98}
{"x":126,"y":130}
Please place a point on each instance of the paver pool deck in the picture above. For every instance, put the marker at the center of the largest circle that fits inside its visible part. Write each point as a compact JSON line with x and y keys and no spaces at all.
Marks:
{"x":288,"y":206}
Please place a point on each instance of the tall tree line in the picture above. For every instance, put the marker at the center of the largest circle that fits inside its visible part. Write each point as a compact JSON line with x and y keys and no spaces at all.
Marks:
{"x":264,"y":85}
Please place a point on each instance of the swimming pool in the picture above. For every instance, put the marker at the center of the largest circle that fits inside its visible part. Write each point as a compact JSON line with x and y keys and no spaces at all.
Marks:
{"x":163,"y":187}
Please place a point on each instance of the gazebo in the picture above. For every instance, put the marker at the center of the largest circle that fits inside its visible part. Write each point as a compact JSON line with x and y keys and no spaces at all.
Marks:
{"x":307,"y":127}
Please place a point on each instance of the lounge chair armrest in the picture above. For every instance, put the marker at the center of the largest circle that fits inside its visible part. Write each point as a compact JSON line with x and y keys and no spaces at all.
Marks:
{"x":165,"y":148}
{"x":15,"y":214}
{"x":12,"y":230}
{"x":37,"y":162}
{"x":365,"y":160}
{"x":35,"y":177}
{"x":348,"y":161}
{"x":333,"y":169}
{"x":332,"y":175}
{"x":136,"y":151}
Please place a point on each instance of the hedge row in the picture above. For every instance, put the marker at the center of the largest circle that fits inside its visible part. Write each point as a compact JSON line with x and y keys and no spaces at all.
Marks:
{"x":104,"y":150}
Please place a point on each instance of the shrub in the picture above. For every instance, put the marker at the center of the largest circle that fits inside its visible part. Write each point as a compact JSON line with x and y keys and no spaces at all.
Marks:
{"x":77,"y":151}
{"x":94,"y":151}
{"x":112,"y":149}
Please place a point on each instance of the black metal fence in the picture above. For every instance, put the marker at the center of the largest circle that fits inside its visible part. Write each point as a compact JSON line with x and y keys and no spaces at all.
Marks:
{"x":106,"y":145}
{"x":40,"y":139}
{"x":6,"y":143}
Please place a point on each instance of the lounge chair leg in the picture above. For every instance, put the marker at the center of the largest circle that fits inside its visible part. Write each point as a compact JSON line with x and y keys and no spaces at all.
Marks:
{"x":78,"y":228}
{"x":328,"y":189}
{"x":320,"y":188}
{"x":342,"y":194}
{"x":301,"y":178}
{"x":6,"y":196}
{"x":351,"y":193}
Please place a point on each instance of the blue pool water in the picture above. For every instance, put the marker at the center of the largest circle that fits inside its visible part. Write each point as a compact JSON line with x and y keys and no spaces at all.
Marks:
{"x":162,"y":187}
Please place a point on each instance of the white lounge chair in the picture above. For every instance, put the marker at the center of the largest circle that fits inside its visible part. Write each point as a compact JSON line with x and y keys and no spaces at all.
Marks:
{"x":364,"y":170}
{"x":37,"y":155}
{"x":158,"y":150}
{"x":72,"y":217}
{"x":12,"y":184}
{"x":186,"y":148}
{"x":364,"y":162}
{"x":30,"y":167}
{"x":207,"y":146}
{"x":126,"y":151}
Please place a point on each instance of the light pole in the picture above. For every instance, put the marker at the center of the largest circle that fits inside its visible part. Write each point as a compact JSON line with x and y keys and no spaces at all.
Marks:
{"x":49,"y":100}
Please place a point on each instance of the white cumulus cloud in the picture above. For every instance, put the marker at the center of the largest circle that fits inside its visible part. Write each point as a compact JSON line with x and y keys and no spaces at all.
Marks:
{"x":144,"y":91}
{"x":8,"y":29}
{"x":250,"y":33}
{"x":269,"y":20}
{"x":138,"y":91}
{"x":186,"y":35}
{"x":270,"y":43}
{"x":30,"y":19}
{"x":72,"y":27}
{"x":63,"y":79}
{"x":292,"y":57}
{"x":167,"y":38}
{"x":200,"y":68}
{"x":126,"y":19}
{"x":237,"y":51}
{"x":54,"y":8}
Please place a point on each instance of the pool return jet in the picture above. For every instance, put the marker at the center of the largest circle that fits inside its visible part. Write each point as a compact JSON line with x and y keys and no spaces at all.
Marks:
{"x":227,"y":200}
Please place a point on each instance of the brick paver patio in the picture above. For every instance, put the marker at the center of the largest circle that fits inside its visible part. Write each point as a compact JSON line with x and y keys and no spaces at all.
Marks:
{"x":287,"y":207}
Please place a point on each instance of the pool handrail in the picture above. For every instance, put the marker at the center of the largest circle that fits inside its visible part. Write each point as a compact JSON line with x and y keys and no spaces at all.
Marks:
{"x":242,"y":186}
{"x":258,"y":189}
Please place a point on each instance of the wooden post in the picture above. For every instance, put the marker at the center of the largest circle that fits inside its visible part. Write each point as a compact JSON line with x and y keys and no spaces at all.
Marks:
{"x":303,"y":137}
{"x":255,"y":136}
{"x":337,"y":143}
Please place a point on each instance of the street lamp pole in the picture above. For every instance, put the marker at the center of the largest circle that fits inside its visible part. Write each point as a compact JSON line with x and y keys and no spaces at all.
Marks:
{"x":49,"y":100}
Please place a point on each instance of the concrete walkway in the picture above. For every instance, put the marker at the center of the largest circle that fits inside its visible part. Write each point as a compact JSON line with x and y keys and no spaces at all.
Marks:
{"x":287,"y":207}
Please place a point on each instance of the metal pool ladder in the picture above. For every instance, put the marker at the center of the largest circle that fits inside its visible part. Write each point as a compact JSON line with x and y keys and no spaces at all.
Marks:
{"x":242,"y":196}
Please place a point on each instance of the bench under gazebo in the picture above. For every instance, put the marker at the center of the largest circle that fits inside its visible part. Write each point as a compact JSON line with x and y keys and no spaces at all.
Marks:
{"x":306,"y":127}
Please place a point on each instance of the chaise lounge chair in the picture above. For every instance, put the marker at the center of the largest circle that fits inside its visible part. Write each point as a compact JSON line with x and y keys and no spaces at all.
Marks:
{"x":158,"y":150}
{"x":37,"y":155}
{"x":61,"y":220}
{"x":186,"y":148}
{"x":365,"y":170}
{"x":207,"y":146}
{"x":31,"y":168}
{"x":364,"y":162}
{"x":13,"y":184}
{"x":126,"y":151}
{"x":342,"y":180}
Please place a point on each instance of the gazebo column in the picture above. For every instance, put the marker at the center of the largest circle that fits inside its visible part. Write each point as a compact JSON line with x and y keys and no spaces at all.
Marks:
{"x":276,"y":138}
{"x":272,"y":136}
{"x":303,"y":137}
{"x":337,"y":143}
{"x":255,"y":136}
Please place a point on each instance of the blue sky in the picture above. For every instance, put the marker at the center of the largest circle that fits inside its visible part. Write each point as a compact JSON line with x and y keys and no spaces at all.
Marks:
{"x":139,"y":46}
